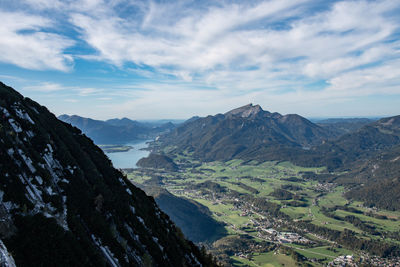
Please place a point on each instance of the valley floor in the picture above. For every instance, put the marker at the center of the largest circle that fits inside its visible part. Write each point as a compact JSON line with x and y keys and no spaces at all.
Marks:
{"x":279,"y":216}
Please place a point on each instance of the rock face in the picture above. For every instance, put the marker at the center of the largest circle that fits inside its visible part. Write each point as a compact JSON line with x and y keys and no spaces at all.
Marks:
{"x":245,"y":111}
{"x":62,"y":203}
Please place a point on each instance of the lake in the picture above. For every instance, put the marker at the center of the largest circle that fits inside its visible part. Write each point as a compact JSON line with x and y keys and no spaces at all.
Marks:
{"x":129,"y":158}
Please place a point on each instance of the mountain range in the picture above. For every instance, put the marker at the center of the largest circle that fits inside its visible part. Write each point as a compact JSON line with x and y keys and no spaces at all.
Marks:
{"x":366,"y":151}
{"x":63,"y":204}
{"x":117,"y":131}
{"x":243,"y":132}
{"x":341,"y":126}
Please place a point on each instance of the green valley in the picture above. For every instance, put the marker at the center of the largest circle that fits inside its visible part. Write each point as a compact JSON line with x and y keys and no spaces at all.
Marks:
{"x":274,"y":205}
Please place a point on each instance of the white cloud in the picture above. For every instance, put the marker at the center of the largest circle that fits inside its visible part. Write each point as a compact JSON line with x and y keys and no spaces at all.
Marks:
{"x":45,"y":4}
{"x":45,"y":87}
{"x":24,"y":44}
{"x":50,"y":87}
{"x":195,"y":41}
{"x":71,"y":100}
{"x":259,"y":51}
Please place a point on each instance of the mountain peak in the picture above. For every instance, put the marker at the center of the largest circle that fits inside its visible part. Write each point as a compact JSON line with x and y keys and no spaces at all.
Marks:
{"x":245,"y":111}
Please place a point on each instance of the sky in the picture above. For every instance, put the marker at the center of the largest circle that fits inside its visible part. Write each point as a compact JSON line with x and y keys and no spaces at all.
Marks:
{"x":176,"y":59}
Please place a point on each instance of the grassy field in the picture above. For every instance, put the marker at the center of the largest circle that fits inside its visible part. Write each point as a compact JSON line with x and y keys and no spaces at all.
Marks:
{"x":270,"y":259}
{"x":266,"y":178}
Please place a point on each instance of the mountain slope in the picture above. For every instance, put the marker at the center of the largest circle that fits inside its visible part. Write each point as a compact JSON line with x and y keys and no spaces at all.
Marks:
{"x":115,"y":131}
{"x":376,"y":181}
{"x":365,"y":143}
{"x":194,"y":219}
{"x":341,"y":126}
{"x":62,"y":203}
{"x":243,"y":131}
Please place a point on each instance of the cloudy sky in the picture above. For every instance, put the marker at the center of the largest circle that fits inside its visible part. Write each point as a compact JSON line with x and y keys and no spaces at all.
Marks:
{"x":175,"y":59}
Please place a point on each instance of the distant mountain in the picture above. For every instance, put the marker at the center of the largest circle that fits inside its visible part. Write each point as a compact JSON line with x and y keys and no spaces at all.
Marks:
{"x":366,"y":161}
{"x":341,"y":126}
{"x":63,"y":204}
{"x":367,"y":142}
{"x":124,"y":122}
{"x":243,"y":132}
{"x":365,"y":153}
{"x":116,"y":131}
{"x":156,"y":123}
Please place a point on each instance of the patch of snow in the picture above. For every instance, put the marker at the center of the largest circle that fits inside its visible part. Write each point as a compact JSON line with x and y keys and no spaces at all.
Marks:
{"x":50,"y":208}
{"x":130,"y":231}
{"x":10,"y":152}
{"x":35,"y":192}
{"x":122,"y":181}
{"x":195,"y":259}
{"x":50,"y":190}
{"x":30,"y":134}
{"x":9,"y":205}
{"x":106,"y":252}
{"x":50,"y":148}
{"x":27,"y":160}
{"x":5,"y":112}
{"x":6,"y":259}
{"x":34,"y":109}
{"x":23,"y":115}
{"x":39,"y":179}
{"x":21,"y":179}
{"x":140,"y":220}
{"x":34,"y":195}
{"x":64,"y":222}
{"x":158,"y":214}
{"x":155,"y":239}
{"x":15,"y":125}
{"x":47,"y":215}
{"x":53,"y":166}
{"x":70,"y":169}
{"x":133,"y":209}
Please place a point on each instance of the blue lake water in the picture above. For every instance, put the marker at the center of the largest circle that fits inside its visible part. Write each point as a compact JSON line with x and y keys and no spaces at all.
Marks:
{"x":129,"y":158}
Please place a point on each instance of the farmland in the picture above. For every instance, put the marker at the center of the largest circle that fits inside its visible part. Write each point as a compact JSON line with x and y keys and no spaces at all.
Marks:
{"x":274,"y":203}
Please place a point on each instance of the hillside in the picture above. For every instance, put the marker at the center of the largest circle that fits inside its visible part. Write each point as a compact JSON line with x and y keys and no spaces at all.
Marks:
{"x":376,"y":181}
{"x":365,"y":143}
{"x":158,"y":162}
{"x":243,"y":132}
{"x":367,"y":153}
{"x":194,"y":219}
{"x":116,"y":131}
{"x":340,"y":126}
{"x":62,"y":203}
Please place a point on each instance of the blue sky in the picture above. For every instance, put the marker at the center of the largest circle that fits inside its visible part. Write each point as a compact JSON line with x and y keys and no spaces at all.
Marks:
{"x":176,"y":59}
